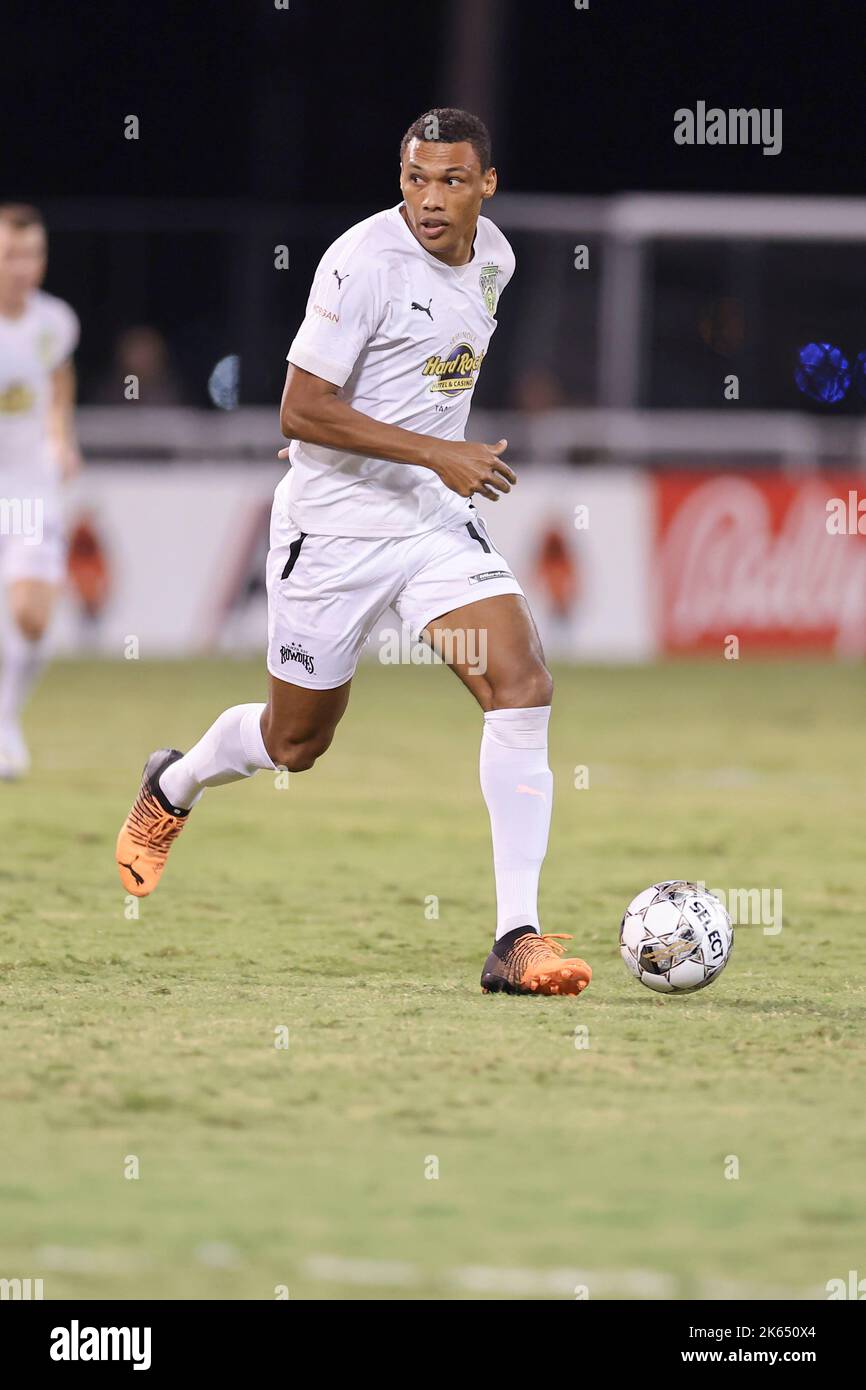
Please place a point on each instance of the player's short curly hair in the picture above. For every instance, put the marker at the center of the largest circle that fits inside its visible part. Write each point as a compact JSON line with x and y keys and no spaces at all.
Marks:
{"x":450,"y":125}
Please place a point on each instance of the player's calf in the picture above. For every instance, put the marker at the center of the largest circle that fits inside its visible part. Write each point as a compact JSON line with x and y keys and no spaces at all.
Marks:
{"x":298,"y":725}
{"x":297,"y":754}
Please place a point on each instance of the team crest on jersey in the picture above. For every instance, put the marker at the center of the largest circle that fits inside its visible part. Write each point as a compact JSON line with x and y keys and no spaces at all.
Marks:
{"x":46,"y":347}
{"x":489,"y":288}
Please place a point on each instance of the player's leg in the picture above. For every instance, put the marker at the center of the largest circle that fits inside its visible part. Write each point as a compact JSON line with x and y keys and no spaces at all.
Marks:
{"x":298,"y":725}
{"x":29,"y":605}
{"x":32,"y":568}
{"x":493,"y":646}
{"x":291,"y":731}
{"x":324,"y":593}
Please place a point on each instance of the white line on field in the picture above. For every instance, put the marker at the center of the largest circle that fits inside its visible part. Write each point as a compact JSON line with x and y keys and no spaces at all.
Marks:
{"x":610,"y":1283}
{"x":70,"y":1259}
{"x":336,"y":1270}
{"x":479,"y":1279}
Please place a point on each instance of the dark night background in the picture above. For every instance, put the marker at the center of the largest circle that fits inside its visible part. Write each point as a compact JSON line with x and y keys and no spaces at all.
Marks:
{"x":289,"y":122}
{"x":239,"y":99}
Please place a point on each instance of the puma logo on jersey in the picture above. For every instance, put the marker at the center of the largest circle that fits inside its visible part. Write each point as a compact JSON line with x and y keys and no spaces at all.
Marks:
{"x":424,"y":308}
{"x":340,"y":278}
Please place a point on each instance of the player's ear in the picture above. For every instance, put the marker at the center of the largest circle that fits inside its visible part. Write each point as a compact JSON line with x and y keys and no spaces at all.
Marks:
{"x":490,"y":181}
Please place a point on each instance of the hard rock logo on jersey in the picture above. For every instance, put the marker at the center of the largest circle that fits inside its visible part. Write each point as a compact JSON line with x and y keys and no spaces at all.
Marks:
{"x":489,"y":288}
{"x":456,"y":372}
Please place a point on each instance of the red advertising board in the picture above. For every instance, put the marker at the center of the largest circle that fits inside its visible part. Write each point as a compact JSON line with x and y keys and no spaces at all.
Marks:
{"x":778,"y":562}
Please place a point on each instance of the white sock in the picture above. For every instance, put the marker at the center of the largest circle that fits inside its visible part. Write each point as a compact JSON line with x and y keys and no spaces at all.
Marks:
{"x":22,"y":661}
{"x":232,"y":748}
{"x":518,"y":788}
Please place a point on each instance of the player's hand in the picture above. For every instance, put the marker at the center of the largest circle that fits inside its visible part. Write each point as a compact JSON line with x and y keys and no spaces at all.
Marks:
{"x":467,"y":468}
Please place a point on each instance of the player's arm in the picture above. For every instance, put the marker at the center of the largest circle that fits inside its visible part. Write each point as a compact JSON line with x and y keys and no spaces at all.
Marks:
{"x":61,"y":418}
{"x":312,"y":411}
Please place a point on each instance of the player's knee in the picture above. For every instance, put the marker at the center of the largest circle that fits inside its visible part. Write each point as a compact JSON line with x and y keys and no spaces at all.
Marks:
{"x":523,"y":690}
{"x":297,"y":753}
{"x":31,"y":625}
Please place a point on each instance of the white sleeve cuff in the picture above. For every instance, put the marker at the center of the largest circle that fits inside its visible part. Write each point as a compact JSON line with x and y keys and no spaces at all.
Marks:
{"x":324,"y":367}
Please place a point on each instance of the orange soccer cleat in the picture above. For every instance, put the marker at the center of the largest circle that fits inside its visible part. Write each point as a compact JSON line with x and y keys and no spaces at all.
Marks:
{"x":523,"y":962}
{"x":150,"y":829}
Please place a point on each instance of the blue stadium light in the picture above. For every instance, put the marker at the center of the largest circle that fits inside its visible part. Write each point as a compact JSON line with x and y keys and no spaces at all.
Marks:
{"x":823,"y":373}
{"x":224,"y":383}
{"x":860,"y":373}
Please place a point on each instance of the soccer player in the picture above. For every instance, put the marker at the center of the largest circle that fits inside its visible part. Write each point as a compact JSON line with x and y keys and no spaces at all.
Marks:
{"x":377,"y":510}
{"x":38,"y":335}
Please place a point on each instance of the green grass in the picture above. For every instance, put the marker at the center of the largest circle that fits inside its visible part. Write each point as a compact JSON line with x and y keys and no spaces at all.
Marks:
{"x":305,"y":907}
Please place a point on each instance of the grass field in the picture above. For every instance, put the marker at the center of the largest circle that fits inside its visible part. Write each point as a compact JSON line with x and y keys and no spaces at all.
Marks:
{"x":558,"y":1164}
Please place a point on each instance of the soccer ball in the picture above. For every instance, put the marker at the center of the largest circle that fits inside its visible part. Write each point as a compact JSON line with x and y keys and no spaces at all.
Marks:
{"x":676,"y":937}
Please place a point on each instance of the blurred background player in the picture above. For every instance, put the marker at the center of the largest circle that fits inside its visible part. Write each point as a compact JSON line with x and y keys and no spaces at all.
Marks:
{"x":38,"y":334}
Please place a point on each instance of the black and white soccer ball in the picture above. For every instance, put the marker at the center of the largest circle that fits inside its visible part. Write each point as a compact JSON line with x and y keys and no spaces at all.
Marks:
{"x":676,"y":937}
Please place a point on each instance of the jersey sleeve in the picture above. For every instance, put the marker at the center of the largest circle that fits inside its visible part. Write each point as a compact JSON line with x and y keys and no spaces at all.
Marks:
{"x":64,"y":333}
{"x":344,"y":311}
{"x":509,"y":264}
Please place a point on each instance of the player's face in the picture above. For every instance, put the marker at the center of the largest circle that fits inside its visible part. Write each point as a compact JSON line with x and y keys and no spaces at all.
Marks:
{"x":23,"y":255}
{"x":443,"y":187}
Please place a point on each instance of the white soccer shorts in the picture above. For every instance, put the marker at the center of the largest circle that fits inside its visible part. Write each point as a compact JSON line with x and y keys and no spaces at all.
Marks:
{"x":326,"y":593}
{"x":32,"y":540}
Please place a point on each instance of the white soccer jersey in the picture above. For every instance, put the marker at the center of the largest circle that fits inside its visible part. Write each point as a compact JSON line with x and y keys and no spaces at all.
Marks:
{"x":31,"y":347}
{"x":404,"y":336}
